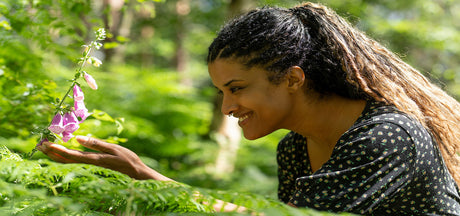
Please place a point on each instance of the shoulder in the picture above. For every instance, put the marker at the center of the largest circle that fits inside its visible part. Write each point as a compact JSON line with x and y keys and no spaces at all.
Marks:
{"x":384,"y":121}
{"x":384,"y":134}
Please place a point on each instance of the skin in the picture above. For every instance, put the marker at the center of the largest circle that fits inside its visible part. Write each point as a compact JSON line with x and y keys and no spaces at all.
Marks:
{"x":261,"y":107}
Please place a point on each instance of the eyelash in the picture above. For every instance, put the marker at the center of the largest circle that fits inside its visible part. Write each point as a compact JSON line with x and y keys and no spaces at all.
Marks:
{"x":232,"y":90}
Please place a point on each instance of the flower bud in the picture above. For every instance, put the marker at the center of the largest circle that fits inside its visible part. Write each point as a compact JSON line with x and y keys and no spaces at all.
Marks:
{"x":78,"y":93}
{"x":70,"y":122}
{"x":97,"y":62}
{"x":90,"y":80}
{"x":57,"y":124}
{"x":94,"y":61}
{"x":80,"y":110}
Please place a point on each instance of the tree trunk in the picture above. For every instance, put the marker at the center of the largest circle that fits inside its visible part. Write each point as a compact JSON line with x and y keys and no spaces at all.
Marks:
{"x":238,"y":7}
{"x":181,"y":58}
{"x":112,"y":21}
{"x":124,"y":31}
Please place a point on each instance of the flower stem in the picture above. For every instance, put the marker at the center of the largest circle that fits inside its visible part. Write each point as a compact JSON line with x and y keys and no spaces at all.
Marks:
{"x":74,"y":82}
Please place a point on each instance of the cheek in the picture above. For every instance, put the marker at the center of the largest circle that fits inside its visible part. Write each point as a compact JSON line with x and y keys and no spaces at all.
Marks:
{"x":275,"y":105}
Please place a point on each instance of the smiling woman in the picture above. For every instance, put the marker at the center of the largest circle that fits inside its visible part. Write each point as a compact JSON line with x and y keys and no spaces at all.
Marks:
{"x":369,"y":133}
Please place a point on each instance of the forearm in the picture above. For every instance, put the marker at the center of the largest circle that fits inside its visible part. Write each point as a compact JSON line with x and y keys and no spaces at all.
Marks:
{"x":146,"y":172}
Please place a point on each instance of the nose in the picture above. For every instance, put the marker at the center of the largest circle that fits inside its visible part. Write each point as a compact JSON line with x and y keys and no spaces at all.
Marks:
{"x":229,"y":105}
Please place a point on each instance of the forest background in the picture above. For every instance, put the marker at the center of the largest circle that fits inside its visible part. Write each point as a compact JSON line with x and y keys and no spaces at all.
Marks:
{"x":155,"y":96}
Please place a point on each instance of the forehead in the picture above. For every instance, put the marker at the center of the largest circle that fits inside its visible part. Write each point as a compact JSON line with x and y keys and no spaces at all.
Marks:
{"x":222,"y":71}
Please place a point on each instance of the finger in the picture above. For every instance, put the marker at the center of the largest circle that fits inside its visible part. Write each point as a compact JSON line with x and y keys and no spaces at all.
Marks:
{"x":41,"y":148}
{"x":60,"y":153}
{"x":45,"y":148}
{"x":96,"y":144}
{"x":76,"y":156}
{"x":58,"y":158}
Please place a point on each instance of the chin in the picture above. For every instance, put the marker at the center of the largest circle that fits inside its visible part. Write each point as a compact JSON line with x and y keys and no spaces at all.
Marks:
{"x":251,"y":136}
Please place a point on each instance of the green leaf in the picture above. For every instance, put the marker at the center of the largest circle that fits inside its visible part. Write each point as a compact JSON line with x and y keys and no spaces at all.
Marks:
{"x":119,"y":123}
{"x":110,"y":45}
{"x":4,"y":24}
{"x":101,"y":115}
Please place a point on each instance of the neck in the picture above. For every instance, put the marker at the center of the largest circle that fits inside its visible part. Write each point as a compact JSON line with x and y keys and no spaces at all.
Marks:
{"x":323,"y":121}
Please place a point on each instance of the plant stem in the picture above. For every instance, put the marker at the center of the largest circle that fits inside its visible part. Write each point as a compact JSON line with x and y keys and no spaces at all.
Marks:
{"x":74,"y":82}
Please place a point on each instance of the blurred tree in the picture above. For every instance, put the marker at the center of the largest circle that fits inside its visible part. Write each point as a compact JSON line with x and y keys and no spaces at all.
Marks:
{"x":114,"y":13}
{"x":181,"y":57}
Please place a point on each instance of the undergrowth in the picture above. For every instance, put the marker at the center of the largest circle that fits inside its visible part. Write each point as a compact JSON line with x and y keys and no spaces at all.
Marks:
{"x":44,"y":187}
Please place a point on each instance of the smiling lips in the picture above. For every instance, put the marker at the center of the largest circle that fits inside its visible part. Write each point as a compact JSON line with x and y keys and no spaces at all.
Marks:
{"x":242,"y":118}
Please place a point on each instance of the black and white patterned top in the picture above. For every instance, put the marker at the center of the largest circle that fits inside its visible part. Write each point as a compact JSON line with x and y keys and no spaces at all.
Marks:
{"x":386,"y":163}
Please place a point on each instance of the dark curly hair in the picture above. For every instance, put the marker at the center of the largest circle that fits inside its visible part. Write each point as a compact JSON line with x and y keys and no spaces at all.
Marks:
{"x":339,"y":59}
{"x":276,"y":39}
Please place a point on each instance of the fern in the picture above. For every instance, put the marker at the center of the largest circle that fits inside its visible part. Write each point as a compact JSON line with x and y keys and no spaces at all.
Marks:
{"x":43,"y":187}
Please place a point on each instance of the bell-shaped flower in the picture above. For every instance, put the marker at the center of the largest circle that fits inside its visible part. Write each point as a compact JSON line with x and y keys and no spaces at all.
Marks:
{"x":96,"y":62}
{"x":78,"y":93}
{"x":93,"y":60}
{"x":66,"y":136}
{"x":80,"y":110}
{"x":57,"y":124}
{"x":70,"y":122}
{"x":90,"y":80}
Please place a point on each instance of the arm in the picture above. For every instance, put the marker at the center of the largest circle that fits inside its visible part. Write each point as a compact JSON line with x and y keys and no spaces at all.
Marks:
{"x":117,"y":158}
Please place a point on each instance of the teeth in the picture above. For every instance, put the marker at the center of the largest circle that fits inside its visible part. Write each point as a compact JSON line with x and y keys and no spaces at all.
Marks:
{"x":242,"y":118}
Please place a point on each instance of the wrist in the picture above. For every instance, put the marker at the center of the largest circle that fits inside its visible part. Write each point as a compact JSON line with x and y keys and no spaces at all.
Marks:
{"x":148,"y":173}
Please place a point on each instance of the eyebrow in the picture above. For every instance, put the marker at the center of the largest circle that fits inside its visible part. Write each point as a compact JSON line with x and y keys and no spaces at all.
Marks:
{"x":230,"y":82}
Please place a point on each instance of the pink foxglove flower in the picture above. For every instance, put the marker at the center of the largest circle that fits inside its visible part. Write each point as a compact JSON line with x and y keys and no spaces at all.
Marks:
{"x":80,"y":110}
{"x":90,"y":80}
{"x":66,"y":136}
{"x":78,"y":93}
{"x":57,"y":124}
{"x":70,"y":122}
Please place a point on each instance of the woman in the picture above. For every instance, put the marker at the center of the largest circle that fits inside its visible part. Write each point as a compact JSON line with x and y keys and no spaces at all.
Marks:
{"x":370,"y":134}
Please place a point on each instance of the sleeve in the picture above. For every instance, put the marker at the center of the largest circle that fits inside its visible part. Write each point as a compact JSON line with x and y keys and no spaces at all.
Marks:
{"x":368,"y":165}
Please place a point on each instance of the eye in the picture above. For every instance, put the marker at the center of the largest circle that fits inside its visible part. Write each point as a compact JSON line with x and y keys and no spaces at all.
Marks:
{"x":235,"y":89}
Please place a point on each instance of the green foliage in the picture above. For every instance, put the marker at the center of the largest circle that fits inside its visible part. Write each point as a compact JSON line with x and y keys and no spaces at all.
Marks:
{"x":152,"y":114}
{"x":33,"y":33}
{"x":41,"y":187}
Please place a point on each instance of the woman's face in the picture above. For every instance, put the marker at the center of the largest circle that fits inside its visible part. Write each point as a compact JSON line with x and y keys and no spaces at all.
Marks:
{"x":260,"y":106}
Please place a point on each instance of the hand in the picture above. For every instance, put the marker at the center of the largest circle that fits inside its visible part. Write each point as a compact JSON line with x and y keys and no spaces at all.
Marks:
{"x":110,"y":156}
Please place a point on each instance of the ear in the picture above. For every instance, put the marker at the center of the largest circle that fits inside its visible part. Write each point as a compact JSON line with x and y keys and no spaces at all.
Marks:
{"x":295,"y":78}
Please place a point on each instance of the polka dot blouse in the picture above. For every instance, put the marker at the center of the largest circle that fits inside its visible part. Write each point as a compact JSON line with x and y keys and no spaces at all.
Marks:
{"x":386,"y":163}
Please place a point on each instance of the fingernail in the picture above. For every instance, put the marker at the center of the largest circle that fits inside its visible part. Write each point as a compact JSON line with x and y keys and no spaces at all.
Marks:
{"x":39,"y":148}
{"x":46,"y":144}
{"x":82,"y":138}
